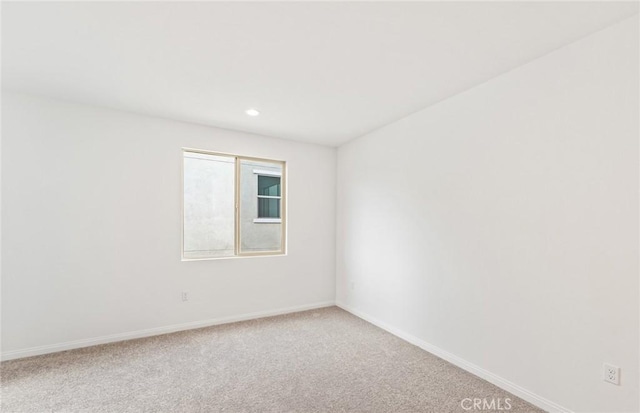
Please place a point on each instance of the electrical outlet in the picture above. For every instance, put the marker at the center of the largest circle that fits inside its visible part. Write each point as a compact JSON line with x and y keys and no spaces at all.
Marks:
{"x":611,"y":374}
{"x":185,"y":296}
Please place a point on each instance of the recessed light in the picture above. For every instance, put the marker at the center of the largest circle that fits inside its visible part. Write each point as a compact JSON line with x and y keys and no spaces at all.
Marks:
{"x":252,"y":112}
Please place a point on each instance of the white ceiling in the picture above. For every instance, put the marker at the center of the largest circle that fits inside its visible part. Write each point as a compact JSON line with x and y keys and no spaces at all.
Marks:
{"x":318,"y":72}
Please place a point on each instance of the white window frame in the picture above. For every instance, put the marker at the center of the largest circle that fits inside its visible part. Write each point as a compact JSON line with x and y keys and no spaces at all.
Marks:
{"x":262,"y":172}
{"x":237,"y":235}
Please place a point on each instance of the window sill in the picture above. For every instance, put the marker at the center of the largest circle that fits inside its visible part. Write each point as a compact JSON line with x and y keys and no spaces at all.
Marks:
{"x":234,"y":257}
{"x":267,"y":221}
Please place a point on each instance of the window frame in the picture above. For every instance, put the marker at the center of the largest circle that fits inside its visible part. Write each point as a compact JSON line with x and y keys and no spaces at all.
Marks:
{"x":268,"y":220}
{"x":237,"y":210}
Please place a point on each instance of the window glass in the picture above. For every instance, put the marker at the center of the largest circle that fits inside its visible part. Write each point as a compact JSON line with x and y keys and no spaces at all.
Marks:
{"x":260,"y":206}
{"x":268,"y":185}
{"x":232,"y":206}
{"x":268,"y":208}
{"x":268,"y":196}
{"x":209,"y":218}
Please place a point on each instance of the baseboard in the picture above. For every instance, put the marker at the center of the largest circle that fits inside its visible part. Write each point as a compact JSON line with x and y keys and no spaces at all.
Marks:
{"x":492,"y":378}
{"x":70,"y":345}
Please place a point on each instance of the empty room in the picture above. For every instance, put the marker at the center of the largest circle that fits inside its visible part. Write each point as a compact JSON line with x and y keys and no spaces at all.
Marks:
{"x":318,"y":207}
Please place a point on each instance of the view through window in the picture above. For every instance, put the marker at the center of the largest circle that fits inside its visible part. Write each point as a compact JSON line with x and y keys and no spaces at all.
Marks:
{"x":233,"y":205}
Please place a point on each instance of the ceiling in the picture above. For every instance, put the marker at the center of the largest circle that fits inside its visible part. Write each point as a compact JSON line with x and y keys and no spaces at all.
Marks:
{"x":318,"y":72}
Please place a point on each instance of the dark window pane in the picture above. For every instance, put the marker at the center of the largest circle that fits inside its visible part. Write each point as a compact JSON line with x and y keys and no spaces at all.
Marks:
{"x":269,"y":185}
{"x":268,"y":208}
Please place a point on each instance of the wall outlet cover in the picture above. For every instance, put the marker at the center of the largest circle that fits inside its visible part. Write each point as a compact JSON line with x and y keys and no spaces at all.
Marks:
{"x":611,"y":374}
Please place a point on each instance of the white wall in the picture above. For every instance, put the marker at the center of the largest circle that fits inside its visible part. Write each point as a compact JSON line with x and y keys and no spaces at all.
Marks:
{"x":91,"y":211}
{"x":501,"y":225}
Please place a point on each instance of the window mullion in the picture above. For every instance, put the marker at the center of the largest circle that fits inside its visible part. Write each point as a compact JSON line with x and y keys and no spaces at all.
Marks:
{"x":237,"y":209}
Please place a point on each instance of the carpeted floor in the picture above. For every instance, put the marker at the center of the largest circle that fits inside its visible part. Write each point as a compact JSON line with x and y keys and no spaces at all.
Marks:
{"x":323,"y":360}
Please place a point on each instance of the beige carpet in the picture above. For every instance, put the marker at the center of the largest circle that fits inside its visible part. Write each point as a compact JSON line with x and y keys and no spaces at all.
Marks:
{"x":316,"y":361}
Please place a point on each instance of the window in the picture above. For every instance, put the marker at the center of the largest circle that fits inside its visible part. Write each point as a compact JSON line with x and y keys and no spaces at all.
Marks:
{"x":269,"y":198}
{"x":233,"y":205}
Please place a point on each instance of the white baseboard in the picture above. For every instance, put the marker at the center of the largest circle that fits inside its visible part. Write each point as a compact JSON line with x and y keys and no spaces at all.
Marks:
{"x":70,"y":345}
{"x":504,"y":384}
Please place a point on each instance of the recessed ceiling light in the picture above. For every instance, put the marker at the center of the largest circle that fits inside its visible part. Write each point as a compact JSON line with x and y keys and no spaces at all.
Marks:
{"x":252,"y":112}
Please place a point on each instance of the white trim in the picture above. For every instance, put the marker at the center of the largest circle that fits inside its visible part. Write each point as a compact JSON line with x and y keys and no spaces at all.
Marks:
{"x":266,"y":172}
{"x":237,"y":233}
{"x":232,"y":257}
{"x":70,"y":345}
{"x":492,"y":378}
{"x":203,"y":157}
{"x":267,"y":221}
